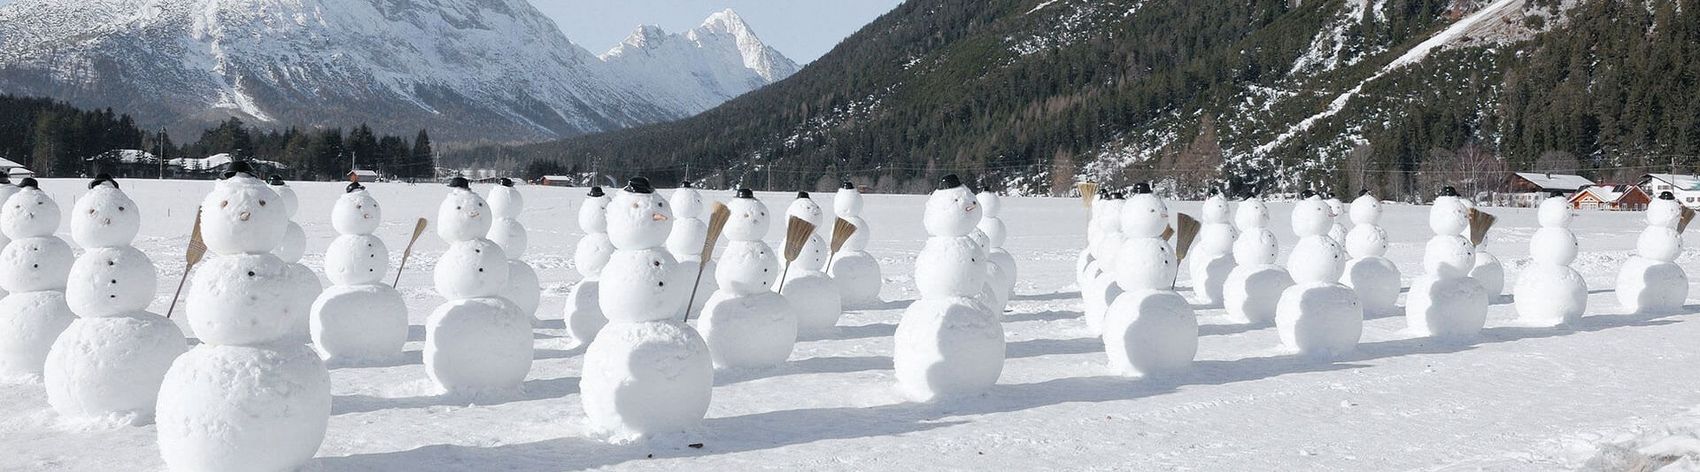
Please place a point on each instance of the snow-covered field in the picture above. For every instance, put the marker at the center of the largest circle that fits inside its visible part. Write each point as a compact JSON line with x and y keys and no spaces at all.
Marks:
{"x":1516,"y":398}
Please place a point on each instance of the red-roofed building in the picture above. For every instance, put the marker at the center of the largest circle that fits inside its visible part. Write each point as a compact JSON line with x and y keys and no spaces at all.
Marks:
{"x":1610,"y":197}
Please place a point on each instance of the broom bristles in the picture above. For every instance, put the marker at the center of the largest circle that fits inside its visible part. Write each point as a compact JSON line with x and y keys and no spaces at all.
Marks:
{"x":1169,"y":233}
{"x":1687,"y":216}
{"x":716,"y":224}
{"x":1088,"y":192}
{"x":197,"y":247}
{"x":1480,"y":222}
{"x":841,"y":232}
{"x":797,"y":232}
{"x":1185,"y":236}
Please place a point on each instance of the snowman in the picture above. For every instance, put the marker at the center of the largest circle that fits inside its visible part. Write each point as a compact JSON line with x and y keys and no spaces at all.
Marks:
{"x":1317,"y":316}
{"x":1486,"y":269}
{"x":1100,"y":288}
{"x":647,"y":372}
{"x":1001,"y":265}
{"x":1652,"y":282}
{"x":1375,"y":278}
{"x":6,"y":191}
{"x":359,"y":320}
{"x":1149,"y":330}
{"x":1336,"y":209}
{"x":249,"y":397}
{"x":1212,"y":256}
{"x":1548,"y":291}
{"x":813,"y":296}
{"x":583,"y":313}
{"x":478,"y":341}
{"x":293,"y":246}
{"x":1083,"y":267}
{"x":506,"y":231}
{"x":111,"y":360}
{"x":1254,"y":288}
{"x":745,"y":322}
{"x":33,"y":270}
{"x":686,"y":239}
{"x":948,"y":344}
{"x":856,"y":272}
{"x":1446,"y":301}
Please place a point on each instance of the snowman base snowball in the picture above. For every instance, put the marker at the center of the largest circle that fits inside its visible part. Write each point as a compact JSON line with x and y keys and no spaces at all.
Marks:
{"x":476,"y":346}
{"x":359,"y":324}
{"x":748,"y":331}
{"x":1251,"y":293}
{"x":29,"y":324}
{"x":1323,"y":320}
{"x":112,"y":366}
{"x":1454,"y":307}
{"x":857,"y":274}
{"x":242,"y":408}
{"x":947,"y":347}
{"x":1651,"y":287}
{"x":1150,"y":333}
{"x":646,"y":378}
{"x":1550,"y":295}
{"x":1376,"y":280}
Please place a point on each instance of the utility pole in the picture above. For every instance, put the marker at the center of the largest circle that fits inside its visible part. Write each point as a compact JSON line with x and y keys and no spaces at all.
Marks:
{"x":159,"y":142}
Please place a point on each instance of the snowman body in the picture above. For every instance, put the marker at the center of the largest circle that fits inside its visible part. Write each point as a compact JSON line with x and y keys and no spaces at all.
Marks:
{"x":746,"y":322}
{"x":583,"y":312}
{"x":1000,"y":266}
{"x":1100,"y":288}
{"x":690,"y":231}
{"x":293,"y":246}
{"x":1549,"y":292}
{"x":111,"y":360}
{"x":854,"y":270}
{"x":646,"y":372}
{"x":1446,"y":302}
{"x":1652,"y":282}
{"x":1149,"y":330}
{"x":523,"y":288}
{"x":477,"y":342}
{"x":948,"y":344}
{"x":1083,"y":263}
{"x":34,"y":266}
{"x":1375,"y":278}
{"x":1211,"y":258}
{"x":250,"y":397}
{"x":6,"y":192}
{"x":814,"y":297}
{"x":1486,"y":270}
{"x":1318,"y":317}
{"x":359,"y":320}
{"x":1253,"y":289}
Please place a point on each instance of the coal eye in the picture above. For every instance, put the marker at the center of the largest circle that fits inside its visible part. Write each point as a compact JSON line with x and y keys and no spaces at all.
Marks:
{"x":120,"y":208}
{"x":457,"y":207}
{"x":662,"y":204}
{"x":91,"y":211}
{"x":224,"y":204}
{"x":262,"y":203}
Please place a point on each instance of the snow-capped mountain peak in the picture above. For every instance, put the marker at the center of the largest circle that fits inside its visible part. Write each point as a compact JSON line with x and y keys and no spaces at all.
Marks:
{"x":766,"y":61}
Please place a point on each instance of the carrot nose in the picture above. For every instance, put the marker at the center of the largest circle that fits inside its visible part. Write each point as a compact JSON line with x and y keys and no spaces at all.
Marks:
{"x":243,"y":217}
{"x":658,"y":217}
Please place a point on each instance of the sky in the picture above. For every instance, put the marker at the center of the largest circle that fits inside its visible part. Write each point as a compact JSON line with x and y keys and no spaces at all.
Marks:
{"x":803,"y":30}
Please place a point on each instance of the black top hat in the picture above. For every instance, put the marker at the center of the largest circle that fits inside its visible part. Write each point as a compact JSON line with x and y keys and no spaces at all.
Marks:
{"x":847,"y":185}
{"x":1448,"y":191}
{"x":507,"y":182}
{"x":5,"y":179}
{"x":29,"y":182}
{"x":685,"y":184}
{"x":102,"y":178}
{"x":596,"y":192}
{"x":352,"y":186}
{"x":1662,"y":196}
{"x":1142,"y":187}
{"x":746,"y":193}
{"x":639,"y":185}
{"x":1118,"y":196}
{"x":949,"y":182}
{"x":1307,"y":194}
{"x":275,"y":180}
{"x":1363,"y":192}
{"x":460,"y":183}
{"x":238,"y":167}
{"x":1103,"y":192}
{"x":1556,"y":193}
{"x":803,"y":195}
{"x":1213,"y":191}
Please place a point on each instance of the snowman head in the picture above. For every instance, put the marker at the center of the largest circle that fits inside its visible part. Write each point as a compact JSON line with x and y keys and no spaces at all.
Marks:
{"x":1144,"y":215}
{"x":806,"y":208}
{"x":1215,"y":208}
{"x":951,"y":209}
{"x":284,"y":194}
{"x":1251,"y":214}
{"x":505,"y":200}
{"x":463,"y":215}
{"x":1554,"y":212}
{"x":105,"y":216}
{"x":637,"y":217}
{"x":749,"y":221}
{"x":687,"y":202}
{"x":990,"y":204}
{"x":29,"y":213}
{"x":356,"y":212}
{"x":1109,"y":218}
{"x":1449,"y":215}
{"x":1366,"y":209}
{"x":1335,"y":207}
{"x":848,"y":201}
{"x":1665,"y":211}
{"x":1311,"y":217}
{"x":242,"y":214}
{"x":593,"y":213}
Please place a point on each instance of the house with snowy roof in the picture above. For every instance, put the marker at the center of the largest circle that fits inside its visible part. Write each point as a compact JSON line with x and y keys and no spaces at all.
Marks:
{"x":1686,"y":187}
{"x":14,"y":169}
{"x":1529,"y":188}
{"x":1619,"y":197}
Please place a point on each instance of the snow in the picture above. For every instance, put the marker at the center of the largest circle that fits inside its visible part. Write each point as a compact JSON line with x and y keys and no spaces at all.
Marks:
{"x":1397,"y":402}
{"x":1565,"y":182}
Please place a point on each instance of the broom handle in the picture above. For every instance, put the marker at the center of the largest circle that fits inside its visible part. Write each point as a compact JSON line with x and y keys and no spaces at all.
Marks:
{"x":179,"y":293}
{"x":782,"y":275}
{"x":829,"y":258}
{"x":701,"y":267}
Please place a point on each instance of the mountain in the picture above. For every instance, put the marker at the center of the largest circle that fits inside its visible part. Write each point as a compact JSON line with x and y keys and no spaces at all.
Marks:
{"x":466,"y":69}
{"x":1398,"y":96}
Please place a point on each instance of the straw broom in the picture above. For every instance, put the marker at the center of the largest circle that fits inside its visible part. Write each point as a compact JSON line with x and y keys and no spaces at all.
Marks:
{"x":1185,"y":232}
{"x":1088,"y":192}
{"x":1682,"y":223}
{"x":841,"y":232}
{"x":418,"y":228}
{"x":797,"y":232}
{"x":1480,"y":222}
{"x":197,"y":250}
{"x":716,"y":223}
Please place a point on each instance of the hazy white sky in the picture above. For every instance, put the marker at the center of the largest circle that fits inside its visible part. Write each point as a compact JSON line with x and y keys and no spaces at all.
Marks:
{"x":801,"y":29}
